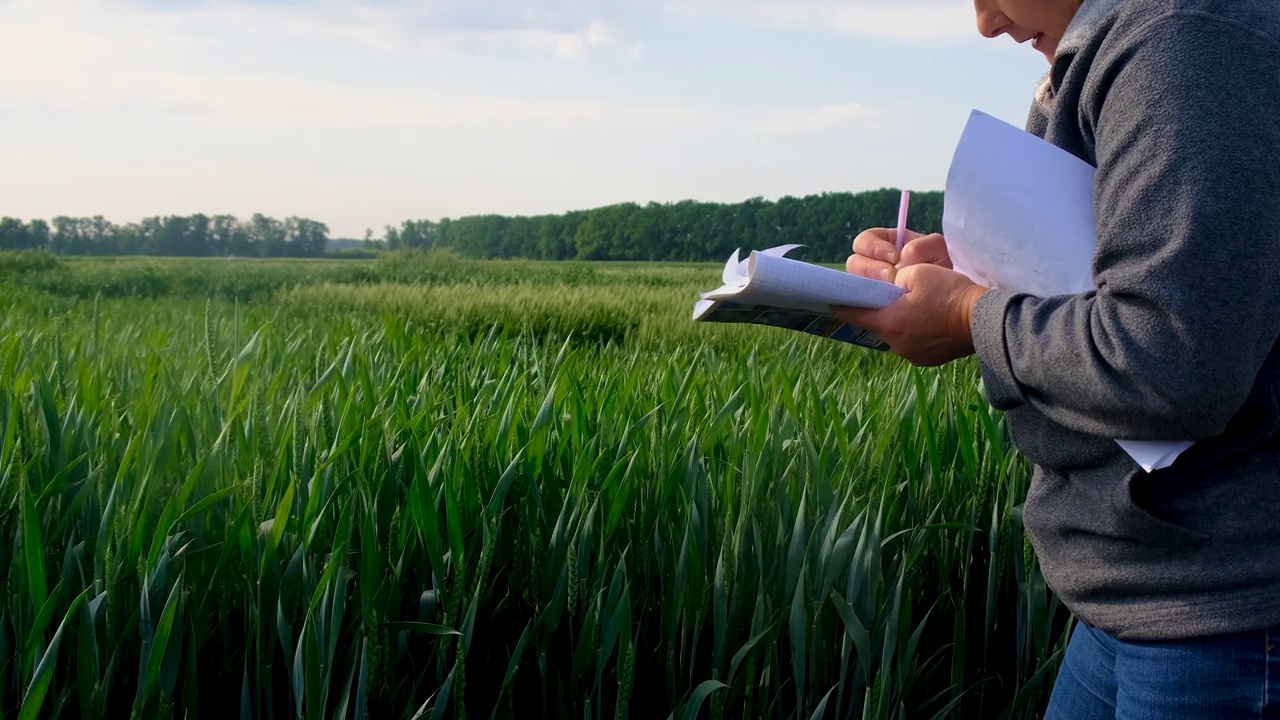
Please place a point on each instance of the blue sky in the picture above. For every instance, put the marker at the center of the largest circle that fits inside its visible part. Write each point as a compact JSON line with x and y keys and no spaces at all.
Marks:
{"x":361,"y":114}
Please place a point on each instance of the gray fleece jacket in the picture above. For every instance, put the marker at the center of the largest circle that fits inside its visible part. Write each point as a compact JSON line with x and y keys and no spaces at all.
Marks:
{"x":1177,"y":103}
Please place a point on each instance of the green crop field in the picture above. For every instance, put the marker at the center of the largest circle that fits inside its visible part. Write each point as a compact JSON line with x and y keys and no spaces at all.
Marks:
{"x":423,"y":486}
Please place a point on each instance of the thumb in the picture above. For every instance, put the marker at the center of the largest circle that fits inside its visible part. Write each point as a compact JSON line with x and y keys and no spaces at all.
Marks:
{"x":863,"y":318}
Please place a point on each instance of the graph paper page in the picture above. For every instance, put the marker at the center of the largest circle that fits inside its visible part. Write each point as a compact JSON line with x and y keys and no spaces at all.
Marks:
{"x":785,"y":283}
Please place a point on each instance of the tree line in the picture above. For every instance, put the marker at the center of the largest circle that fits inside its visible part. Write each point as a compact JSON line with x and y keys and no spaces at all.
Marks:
{"x":683,"y":231}
{"x":674,"y":232}
{"x":174,"y":235}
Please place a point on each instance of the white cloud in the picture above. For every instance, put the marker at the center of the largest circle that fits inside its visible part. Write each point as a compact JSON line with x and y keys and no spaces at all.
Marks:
{"x":401,"y":25}
{"x":402,"y":29}
{"x":911,"y":20}
{"x":83,"y":54}
{"x":267,"y":102}
{"x":820,"y":119}
{"x":242,"y":100}
{"x":565,"y":45}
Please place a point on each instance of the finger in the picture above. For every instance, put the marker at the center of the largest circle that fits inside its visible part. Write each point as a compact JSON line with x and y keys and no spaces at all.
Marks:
{"x":909,"y":278}
{"x":868,"y":268}
{"x":857,"y":317}
{"x":877,"y":244}
{"x":926,"y":250}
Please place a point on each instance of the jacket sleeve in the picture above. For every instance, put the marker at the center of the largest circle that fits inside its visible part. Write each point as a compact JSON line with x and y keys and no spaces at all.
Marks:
{"x":1186,"y":124}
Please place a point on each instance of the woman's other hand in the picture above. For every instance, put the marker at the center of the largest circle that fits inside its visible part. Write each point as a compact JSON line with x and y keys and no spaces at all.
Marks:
{"x":875,"y":255}
{"x":932,"y":323}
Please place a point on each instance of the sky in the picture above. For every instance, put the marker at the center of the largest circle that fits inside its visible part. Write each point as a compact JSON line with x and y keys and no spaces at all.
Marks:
{"x":364,"y":113}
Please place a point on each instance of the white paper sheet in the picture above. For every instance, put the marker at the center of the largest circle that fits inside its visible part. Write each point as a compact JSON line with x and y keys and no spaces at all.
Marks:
{"x":1018,"y":215}
{"x":1154,"y":455}
{"x":1019,"y":211}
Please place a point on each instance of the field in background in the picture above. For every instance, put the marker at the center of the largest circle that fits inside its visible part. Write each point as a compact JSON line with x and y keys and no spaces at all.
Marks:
{"x":429,"y":487}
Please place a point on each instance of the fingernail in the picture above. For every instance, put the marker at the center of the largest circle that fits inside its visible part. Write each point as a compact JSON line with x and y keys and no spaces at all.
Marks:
{"x":886,"y":274}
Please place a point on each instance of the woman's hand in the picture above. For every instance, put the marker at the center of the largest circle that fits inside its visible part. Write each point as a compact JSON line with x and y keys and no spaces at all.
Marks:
{"x":875,"y":255}
{"x":932,"y":323}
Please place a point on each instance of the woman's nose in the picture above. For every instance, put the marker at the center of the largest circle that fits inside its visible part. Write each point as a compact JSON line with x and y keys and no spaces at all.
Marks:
{"x":991,"y":22}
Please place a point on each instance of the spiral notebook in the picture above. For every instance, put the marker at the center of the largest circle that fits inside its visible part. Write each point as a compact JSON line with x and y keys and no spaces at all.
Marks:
{"x":769,"y":288}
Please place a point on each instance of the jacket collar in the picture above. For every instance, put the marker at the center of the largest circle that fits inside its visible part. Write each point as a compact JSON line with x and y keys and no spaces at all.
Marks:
{"x":1088,"y":20}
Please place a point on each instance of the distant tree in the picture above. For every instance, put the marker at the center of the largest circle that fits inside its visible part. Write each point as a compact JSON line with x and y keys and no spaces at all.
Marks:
{"x":66,"y":236}
{"x":267,"y":235}
{"x":129,"y":239}
{"x":97,"y":236}
{"x":549,"y":242}
{"x":37,"y":234}
{"x":199,"y":239}
{"x":13,"y":234}
{"x":306,"y":238}
{"x":225,"y":236}
{"x":412,"y":235}
{"x":150,"y":236}
{"x":179,"y":237}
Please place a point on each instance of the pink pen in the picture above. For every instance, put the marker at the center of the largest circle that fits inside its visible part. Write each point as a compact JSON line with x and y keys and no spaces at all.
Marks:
{"x":902,"y":219}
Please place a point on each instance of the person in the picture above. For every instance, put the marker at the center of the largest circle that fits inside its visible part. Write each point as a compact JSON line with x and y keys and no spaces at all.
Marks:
{"x":1173,"y":576}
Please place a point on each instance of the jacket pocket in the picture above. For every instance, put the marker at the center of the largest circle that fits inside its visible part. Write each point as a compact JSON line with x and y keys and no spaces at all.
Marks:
{"x":1102,"y":515}
{"x":1145,"y":522}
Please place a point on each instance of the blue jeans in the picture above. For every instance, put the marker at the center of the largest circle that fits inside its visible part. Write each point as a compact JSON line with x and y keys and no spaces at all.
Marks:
{"x":1224,"y":678}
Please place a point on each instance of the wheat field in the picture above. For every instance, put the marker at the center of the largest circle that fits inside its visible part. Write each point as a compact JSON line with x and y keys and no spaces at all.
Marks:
{"x":423,"y":487}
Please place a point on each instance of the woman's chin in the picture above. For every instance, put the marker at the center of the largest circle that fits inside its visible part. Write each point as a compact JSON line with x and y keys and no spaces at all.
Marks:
{"x":1046,"y":46}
